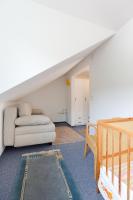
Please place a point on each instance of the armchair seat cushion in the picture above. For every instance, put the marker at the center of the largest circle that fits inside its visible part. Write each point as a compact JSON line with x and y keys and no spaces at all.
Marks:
{"x":32,"y":120}
{"x":24,"y":130}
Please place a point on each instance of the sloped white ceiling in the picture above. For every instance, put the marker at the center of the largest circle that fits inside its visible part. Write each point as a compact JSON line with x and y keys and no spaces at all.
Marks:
{"x":109,"y":13}
{"x":44,"y":78}
{"x":34,"y":38}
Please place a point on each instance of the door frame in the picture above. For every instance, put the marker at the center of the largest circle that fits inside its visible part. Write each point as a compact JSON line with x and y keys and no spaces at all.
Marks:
{"x":72,"y":121}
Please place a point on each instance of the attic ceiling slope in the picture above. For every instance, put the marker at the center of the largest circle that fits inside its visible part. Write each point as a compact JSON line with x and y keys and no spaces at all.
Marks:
{"x":47,"y":76}
{"x":44,"y":78}
{"x":111,"y":14}
{"x":35,"y":38}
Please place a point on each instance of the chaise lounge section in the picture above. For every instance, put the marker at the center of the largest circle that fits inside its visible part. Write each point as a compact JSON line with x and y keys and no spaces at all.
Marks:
{"x":22,"y":127}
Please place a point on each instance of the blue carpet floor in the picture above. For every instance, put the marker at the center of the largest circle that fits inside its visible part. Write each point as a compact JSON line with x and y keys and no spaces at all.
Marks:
{"x":80,"y":168}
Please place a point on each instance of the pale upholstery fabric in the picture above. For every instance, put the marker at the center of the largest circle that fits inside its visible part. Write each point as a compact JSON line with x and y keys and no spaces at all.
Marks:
{"x":37,"y":111}
{"x":32,"y":120}
{"x":25,"y":135}
{"x":22,"y":130}
{"x":24,"y":109}
{"x":31,"y":139}
{"x":10,"y":115}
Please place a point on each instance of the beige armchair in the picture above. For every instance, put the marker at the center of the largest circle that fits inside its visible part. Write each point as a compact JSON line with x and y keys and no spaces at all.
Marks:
{"x":22,"y":127}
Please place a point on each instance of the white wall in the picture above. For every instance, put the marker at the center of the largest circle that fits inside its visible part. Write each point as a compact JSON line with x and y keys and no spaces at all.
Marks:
{"x":112,"y":77}
{"x":51,"y":99}
{"x":56,"y":98}
{"x":34,"y":38}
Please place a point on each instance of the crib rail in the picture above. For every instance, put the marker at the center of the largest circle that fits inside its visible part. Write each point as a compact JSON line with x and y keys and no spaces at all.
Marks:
{"x":114,"y":145}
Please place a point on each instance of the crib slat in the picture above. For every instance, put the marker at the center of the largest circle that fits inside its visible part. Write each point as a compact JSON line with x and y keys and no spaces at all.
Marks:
{"x":99,"y":151}
{"x":120,"y":136}
{"x":128,"y":169}
{"x":112,"y":157}
{"x":107,"y":152}
{"x":116,"y":152}
{"x":101,"y":157}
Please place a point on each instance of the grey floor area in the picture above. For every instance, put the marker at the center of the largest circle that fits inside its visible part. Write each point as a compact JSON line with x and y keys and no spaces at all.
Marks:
{"x":80,"y":168}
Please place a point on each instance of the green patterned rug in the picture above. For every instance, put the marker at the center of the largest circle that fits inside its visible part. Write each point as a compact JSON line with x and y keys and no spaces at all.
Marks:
{"x":44,"y":176}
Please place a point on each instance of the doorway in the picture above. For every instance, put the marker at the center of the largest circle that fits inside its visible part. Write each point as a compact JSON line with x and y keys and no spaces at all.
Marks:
{"x":80,"y":99}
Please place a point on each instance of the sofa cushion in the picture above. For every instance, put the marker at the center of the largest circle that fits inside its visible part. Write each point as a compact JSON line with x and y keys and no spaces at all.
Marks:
{"x":24,"y":109}
{"x":32,"y":120}
{"x":24,"y":130}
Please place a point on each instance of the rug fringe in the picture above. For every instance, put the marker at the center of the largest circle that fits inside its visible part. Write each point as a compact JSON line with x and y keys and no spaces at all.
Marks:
{"x":65,"y":181}
{"x":49,"y":152}
{"x":24,"y":181}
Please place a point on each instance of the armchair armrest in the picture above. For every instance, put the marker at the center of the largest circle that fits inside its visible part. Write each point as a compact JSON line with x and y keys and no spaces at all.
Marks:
{"x":10,"y":115}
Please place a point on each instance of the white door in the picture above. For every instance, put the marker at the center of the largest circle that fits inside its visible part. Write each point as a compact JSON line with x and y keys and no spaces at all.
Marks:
{"x":81,"y":101}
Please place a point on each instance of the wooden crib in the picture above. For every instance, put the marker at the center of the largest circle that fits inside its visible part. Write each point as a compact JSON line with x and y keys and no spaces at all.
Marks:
{"x":115,"y":158}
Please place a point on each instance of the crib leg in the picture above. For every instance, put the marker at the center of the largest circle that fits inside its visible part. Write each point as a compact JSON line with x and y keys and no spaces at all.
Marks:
{"x":85,"y":149}
{"x":97,"y":172}
{"x":97,"y":189}
{"x":95,"y":167}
